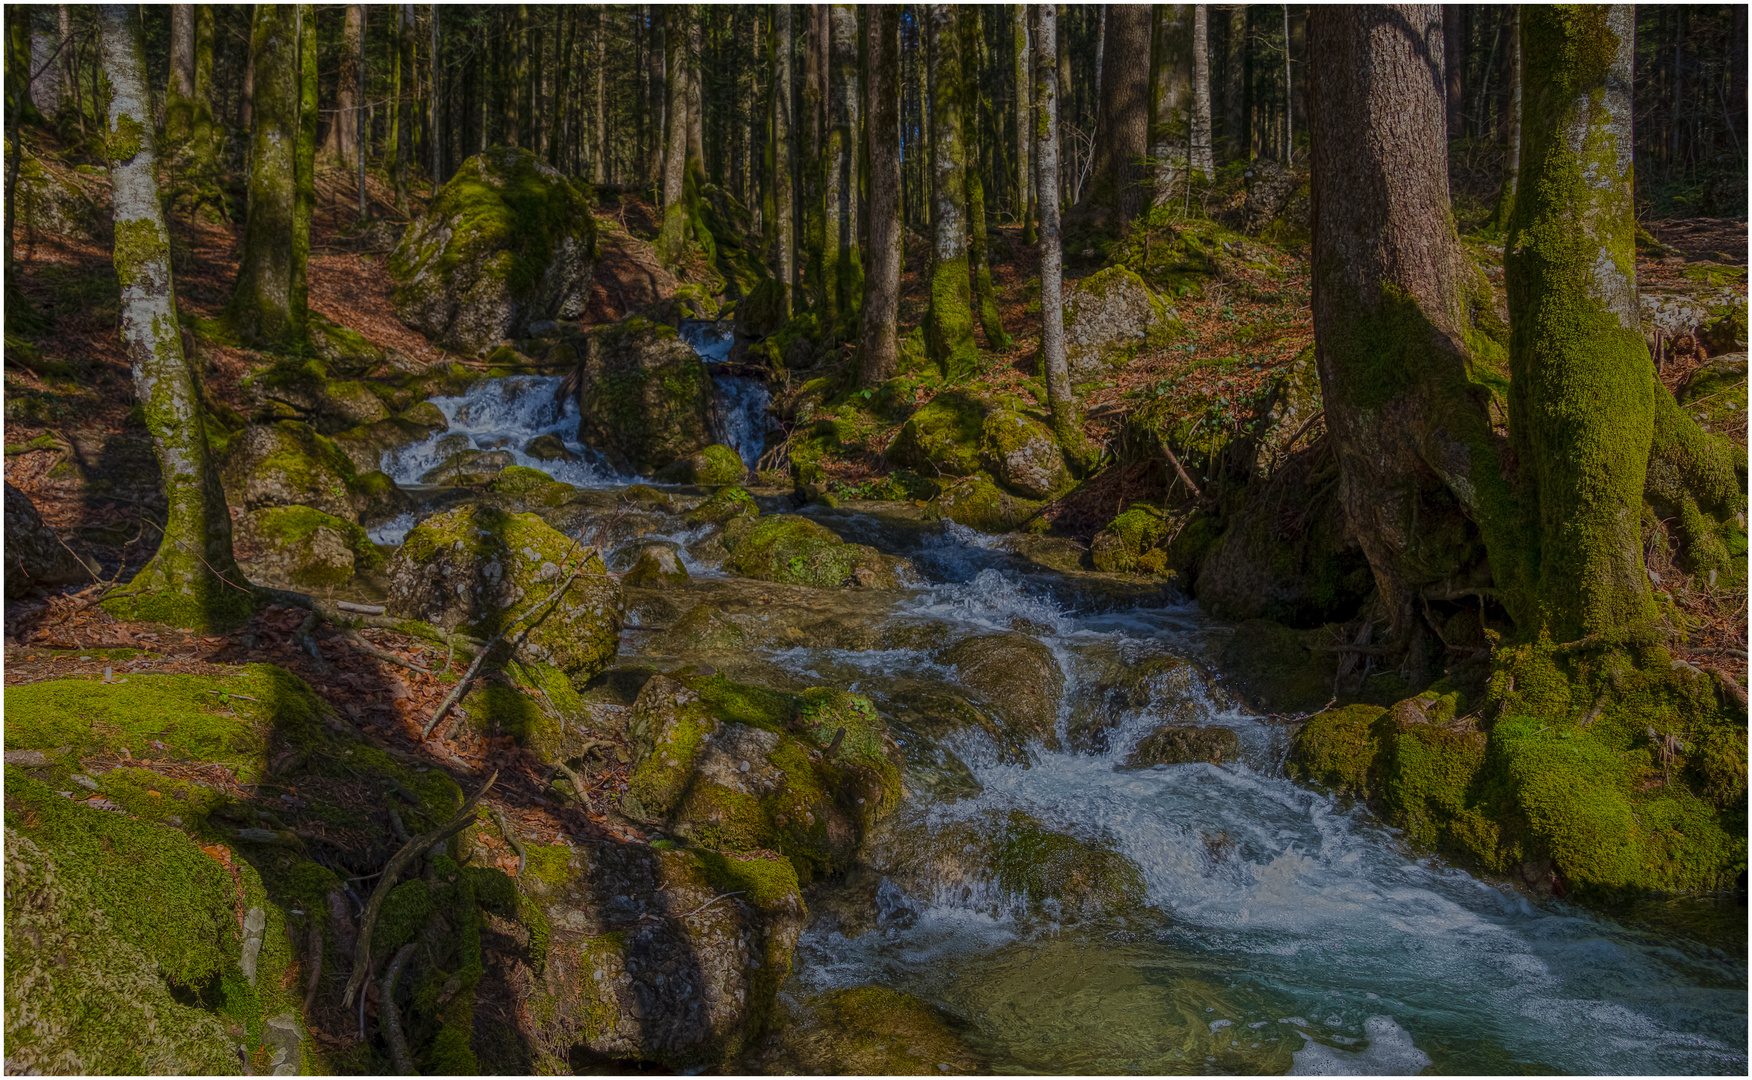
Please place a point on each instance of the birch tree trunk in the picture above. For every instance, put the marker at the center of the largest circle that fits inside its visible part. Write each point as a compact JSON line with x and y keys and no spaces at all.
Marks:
{"x":881,"y":353}
{"x":949,"y":321}
{"x":193,"y":580}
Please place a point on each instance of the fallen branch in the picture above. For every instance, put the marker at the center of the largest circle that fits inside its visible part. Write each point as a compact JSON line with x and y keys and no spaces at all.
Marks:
{"x":315,"y":965}
{"x":1360,"y":650}
{"x":577,"y":785}
{"x":359,"y":609}
{"x":391,"y":870}
{"x":510,"y":836}
{"x":390,"y":1017}
{"x":707,"y":904}
{"x":1196,"y":493}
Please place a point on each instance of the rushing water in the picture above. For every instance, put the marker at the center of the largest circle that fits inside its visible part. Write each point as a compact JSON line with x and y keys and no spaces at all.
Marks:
{"x":1279,"y":930}
{"x":741,"y":402}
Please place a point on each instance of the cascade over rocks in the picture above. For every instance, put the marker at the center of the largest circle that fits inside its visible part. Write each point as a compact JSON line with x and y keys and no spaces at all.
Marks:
{"x":506,"y":242}
{"x":645,"y":397}
{"x":35,"y":556}
{"x":480,"y":569}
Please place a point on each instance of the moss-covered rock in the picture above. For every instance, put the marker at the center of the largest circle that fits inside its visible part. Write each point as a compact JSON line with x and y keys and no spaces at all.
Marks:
{"x":506,"y":242}
{"x":344,"y":350}
{"x":645,"y":396}
{"x":740,"y":768}
{"x":1016,"y":677}
{"x":977,"y":503}
{"x":795,"y":550}
{"x":470,"y":468}
{"x":1022,"y":455}
{"x":549,"y":448}
{"x":715,"y":466}
{"x":35,"y":556}
{"x":1181,"y":744}
{"x":868,"y":1031}
{"x":481,"y":569}
{"x":305,"y":548}
{"x":366,"y":445}
{"x":532,"y":486}
{"x":725,"y":505}
{"x":702,"y":629}
{"x":1338,"y":748}
{"x":762,"y":311}
{"x":1109,"y":315}
{"x":1277,"y":201}
{"x":289,"y":464}
{"x":656,"y":563}
{"x":1169,"y":687}
{"x":1271,"y":666}
{"x":50,"y":201}
{"x":1125,"y":539}
{"x":943,"y":437}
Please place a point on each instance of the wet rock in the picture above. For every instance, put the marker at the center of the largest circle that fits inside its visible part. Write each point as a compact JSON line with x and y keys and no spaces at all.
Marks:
{"x":470,"y":467}
{"x":1181,"y":744}
{"x":645,"y":394}
{"x":304,"y":548}
{"x":1169,"y":687}
{"x":977,"y":503}
{"x":866,"y":1031}
{"x":740,"y":768}
{"x":714,"y":466}
{"x":305,"y":390}
{"x":366,"y":445}
{"x":1022,"y":455}
{"x":704,"y":628}
{"x":1109,"y":315}
{"x":549,"y":448}
{"x":795,"y":550}
{"x":35,"y":556}
{"x":644,"y":958}
{"x":481,"y":569}
{"x":507,"y":241}
{"x":725,"y":505}
{"x":935,"y":713}
{"x":530,"y":487}
{"x":658,"y":563}
{"x":1016,"y":677}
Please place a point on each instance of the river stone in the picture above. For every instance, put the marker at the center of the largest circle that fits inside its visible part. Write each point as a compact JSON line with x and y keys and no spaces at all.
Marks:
{"x":480,"y":569}
{"x":1017,"y":678}
{"x":549,"y":448}
{"x":507,"y":241}
{"x":715,"y":466}
{"x":704,"y":629}
{"x":468,"y":468}
{"x":290,"y":464}
{"x":1181,"y":744}
{"x":867,"y":1031}
{"x":645,"y":397}
{"x":304,"y":548}
{"x":1165,"y":687}
{"x":942,"y":438}
{"x":795,"y":550}
{"x":1109,"y":315}
{"x":658,"y":563}
{"x":1022,"y":455}
{"x":304,"y":390}
{"x":647,"y":960}
{"x":35,"y":556}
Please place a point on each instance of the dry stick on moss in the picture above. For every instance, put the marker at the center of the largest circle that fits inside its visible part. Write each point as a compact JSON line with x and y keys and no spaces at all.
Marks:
{"x":362,"y":950}
{"x":401,"y":831}
{"x":391,"y":1018}
{"x":707,"y":904}
{"x":510,"y":836}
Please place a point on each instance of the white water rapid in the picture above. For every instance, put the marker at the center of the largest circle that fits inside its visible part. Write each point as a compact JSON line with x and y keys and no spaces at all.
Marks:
{"x":742,"y":402}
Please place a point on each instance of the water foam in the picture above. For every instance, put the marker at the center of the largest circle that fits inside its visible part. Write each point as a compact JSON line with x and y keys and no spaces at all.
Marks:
{"x":504,"y":414}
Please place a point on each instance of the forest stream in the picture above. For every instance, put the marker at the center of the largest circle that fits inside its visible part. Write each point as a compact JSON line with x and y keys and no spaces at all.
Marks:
{"x":1071,"y":913}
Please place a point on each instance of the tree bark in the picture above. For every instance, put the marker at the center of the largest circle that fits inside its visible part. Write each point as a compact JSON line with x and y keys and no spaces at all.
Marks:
{"x":1235,"y":85}
{"x":784,"y":152}
{"x":811,"y":200}
{"x":1120,"y":181}
{"x":841,"y":272}
{"x":1024,"y":121}
{"x":180,"y":88}
{"x":1512,"y":152}
{"x":343,"y":134}
{"x":557,"y":141}
{"x":304,"y":171}
{"x":1203,"y":153}
{"x":261,"y":309}
{"x":949,"y":321}
{"x":193,"y":580}
{"x":406,"y":106}
{"x":978,"y":259}
{"x":696,"y":111}
{"x":1393,"y":297}
{"x":599,"y":160}
{"x":1582,"y":389}
{"x":1171,"y":100}
{"x":673,"y":240}
{"x":881,"y":359}
{"x":1061,"y":402}
{"x":1453,"y":67}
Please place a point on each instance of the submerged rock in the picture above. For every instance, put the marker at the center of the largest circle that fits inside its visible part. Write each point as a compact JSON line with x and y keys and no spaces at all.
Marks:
{"x":657,"y":563}
{"x":866,"y":1031}
{"x":481,"y":569}
{"x":645,"y":395}
{"x":35,"y":556}
{"x":795,"y":550}
{"x":507,"y":241}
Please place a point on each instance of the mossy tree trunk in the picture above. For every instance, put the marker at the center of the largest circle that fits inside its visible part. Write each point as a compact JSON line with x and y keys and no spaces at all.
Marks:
{"x":304,"y":201}
{"x":179,"y":90}
{"x":1060,"y":401}
{"x":881,"y":357}
{"x":1582,"y":392}
{"x":841,"y":272}
{"x":949,"y":322}
{"x":262,"y":309}
{"x":1393,"y":296}
{"x":978,"y":258}
{"x":1025,"y":212}
{"x":672,"y":241}
{"x":343,"y":135}
{"x":1512,"y":121}
{"x":809,"y":155}
{"x":406,"y":106}
{"x":783,"y":166}
{"x":191,"y":137}
{"x":1171,"y":101}
{"x":193,"y":580}
{"x":1120,"y":180}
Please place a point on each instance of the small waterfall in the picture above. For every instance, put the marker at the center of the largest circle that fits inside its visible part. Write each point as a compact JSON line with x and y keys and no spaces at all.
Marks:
{"x":504,"y":414}
{"x":742,"y":402}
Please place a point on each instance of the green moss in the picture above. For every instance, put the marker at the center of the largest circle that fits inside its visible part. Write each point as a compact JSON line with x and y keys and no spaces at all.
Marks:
{"x":942,"y":437}
{"x":795,"y":550}
{"x":532,"y":484}
{"x":549,"y":863}
{"x":726,"y":504}
{"x":1039,"y":864}
{"x":949,"y":323}
{"x":287,"y":528}
{"x":978,"y":503}
{"x":1338,"y":748}
{"x":763,"y":882}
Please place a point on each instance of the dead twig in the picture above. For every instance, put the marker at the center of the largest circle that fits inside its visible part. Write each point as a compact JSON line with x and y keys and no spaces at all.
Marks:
{"x":390,"y":1017}
{"x":707,"y":904}
{"x":577,"y":784}
{"x":315,"y":965}
{"x":510,"y":836}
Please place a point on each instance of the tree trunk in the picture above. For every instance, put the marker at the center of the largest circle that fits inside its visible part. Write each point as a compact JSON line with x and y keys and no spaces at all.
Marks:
{"x":673,"y":240}
{"x":949,"y":321}
{"x":406,"y":107}
{"x":842,"y":275}
{"x":696,"y":110}
{"x":343,"y":134}
{"x":557,"y":140}
{"x":1171,"y":100}
{"x":193,"y":580}
{"x":1235,"y":85}
{"x":261,"y":308}
{"x":1393,"y":293}
{"x":361,"y":132}
{"x":1203,"y":162}
{"x":1453,"y":67}
{"x":1120,"y":181}
{"x":1024,"y":117}
{"x":881,"y":359}
{"x":978,"y":259}
{"x":521,"y":112}
{"x":435,"y":81}
{"x":784,"y":152}
{"x":1061,"y":402}
{"x":1066,"y":189}
{"x":179,"y":91}
{"x":599,"y":164}
{"x":1512,"y":152}
{"x":1100,"y":45}
{"x":656,"y":59}
{"x":1582,"y":389}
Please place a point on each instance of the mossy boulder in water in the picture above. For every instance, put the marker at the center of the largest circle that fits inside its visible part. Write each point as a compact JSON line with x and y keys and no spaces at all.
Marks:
{"x":35,"y":556}
{"x":1109,"y":315}
{"x":715,"y":466}
{"x":656,"y":563}
{"x":470,"y":468}
{"x":506,"y":242}
{"x":645,"y":398}
{"x":726,"y":505}
{"x":1016,"y":677}
{"x":641,"y":955}
{"x":741,"y":768}
{"x":549,"y":448}
{"x":867,"y":1031}
{"x":305,"y":548}
{"x":1022,"y":455}
{"x":976,"y":502}
{"x":795,"y":550}
{"x":480,"y":569}
{"x":289,"y":464}
{"x":1181,"y":744}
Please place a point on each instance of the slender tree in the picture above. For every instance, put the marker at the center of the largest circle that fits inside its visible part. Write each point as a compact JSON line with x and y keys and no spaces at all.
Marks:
{"x":1171,"y":100}
{"x":784,"y":151}
{"x":1235,"y":134}
{"x":841,"y":275}
{"x":1060,"y":401}
{"x":406,"y":106}
{"x":1512,"y":152}
{"x":1024,"y":118}
{"x":1454,"y":67}
{"x":1203,"y":159}
{"x":881,"y":353}
{"x":1119,"y":185}
{"x":673,"y":241}
{"x":262,"y":308}
{"x":949,"y":321}
{"x":193,"y":580}
{"x":978,"y":254}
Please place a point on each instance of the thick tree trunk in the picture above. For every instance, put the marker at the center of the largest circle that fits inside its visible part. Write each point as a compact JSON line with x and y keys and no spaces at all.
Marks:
{"x":949,"y":321}
{"x":1512,"y":152}
{"x":191,"y":138}
{"x":261,"y":309}
{"x":1120,"y":182}
{"x":1235,"y":85}
{"x":673,"y":240}
{"x":304,"y":169}
{"x":193,"y":580}
{"x":841,"y":272}
{"x":656,"y":60}
{"x":784,"y":152}
{"x":361,"y":125}
{"x":1392,"y":301}
{"x":521,"y":111}
{"x":1582,"y":391}
{"x":811,"y":199}
{"x":696,"y":109}
{"x":1203,"y":162}
{"x":343,"y":134}
{"x":180,"y":88}
{"x":1171,"y":100}
{"x":881,"y":356}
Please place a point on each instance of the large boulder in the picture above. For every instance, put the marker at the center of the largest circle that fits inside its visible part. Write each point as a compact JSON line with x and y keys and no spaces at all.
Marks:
{"x":304,"y":390}
{"x":740,"y":768}
{"x":304,"y":548}
{"x":1016,"y":676}
{"x":35,"y":556}
{"x":1180,"y":744}
{"x":942,"y":438}
{"x":1276,"y":193}
{"x":481,"y":569}
{"x":1109,"y":315}
{"x":645,"y":396}
{"x":508,"y":241}
{"x":1022,"y":455}
{"x":795,"y":550}
{"x":289,"y":464}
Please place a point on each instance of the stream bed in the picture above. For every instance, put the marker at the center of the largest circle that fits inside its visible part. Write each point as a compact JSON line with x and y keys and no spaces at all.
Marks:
{"x":1259,"y":927}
